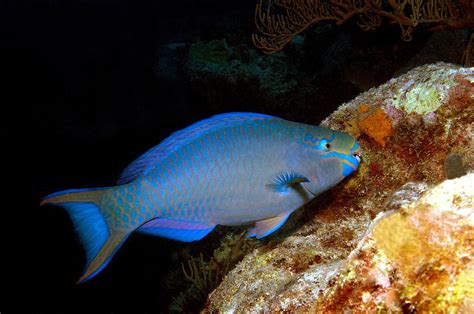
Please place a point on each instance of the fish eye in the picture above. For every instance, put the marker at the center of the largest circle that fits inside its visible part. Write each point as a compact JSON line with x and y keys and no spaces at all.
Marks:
{"x":324,"y":144}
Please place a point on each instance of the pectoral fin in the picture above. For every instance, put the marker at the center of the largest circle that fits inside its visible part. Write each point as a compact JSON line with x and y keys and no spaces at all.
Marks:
{"x":268,"y":226}
{"x":284,"y":180}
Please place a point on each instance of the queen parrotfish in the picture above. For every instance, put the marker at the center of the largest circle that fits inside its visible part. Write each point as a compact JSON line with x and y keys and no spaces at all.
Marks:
{"x":230,"y":169}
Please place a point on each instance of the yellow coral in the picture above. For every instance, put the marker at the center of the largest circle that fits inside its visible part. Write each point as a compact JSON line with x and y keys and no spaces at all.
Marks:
{"x":394,"y":235}
{"x":464,"y":288}
{"x":430,"y":244}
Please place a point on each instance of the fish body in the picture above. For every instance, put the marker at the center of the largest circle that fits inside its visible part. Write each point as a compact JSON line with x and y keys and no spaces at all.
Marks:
{"x":231,"y":169}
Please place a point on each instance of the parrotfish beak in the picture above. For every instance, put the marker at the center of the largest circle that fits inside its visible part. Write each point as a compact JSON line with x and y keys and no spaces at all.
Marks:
{"x":351,"y":164}
{"x":357,"y":155}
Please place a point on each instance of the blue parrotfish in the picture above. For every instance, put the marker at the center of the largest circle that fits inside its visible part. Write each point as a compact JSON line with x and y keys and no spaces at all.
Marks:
{"x":230,"y":169}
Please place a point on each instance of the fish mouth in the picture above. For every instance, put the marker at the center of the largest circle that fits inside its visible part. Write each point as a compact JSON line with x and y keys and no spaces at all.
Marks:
{"x":351,"y":162}
{"x":358,"y":158}
{"x":356,"y":153}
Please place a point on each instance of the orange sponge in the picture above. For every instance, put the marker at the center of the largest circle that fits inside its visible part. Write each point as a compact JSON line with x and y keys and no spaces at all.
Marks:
{"x":377,"y":126}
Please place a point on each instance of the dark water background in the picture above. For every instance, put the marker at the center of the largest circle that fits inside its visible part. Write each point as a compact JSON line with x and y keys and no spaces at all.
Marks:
{"x":89,"y":75}
{"x":96,"y":105}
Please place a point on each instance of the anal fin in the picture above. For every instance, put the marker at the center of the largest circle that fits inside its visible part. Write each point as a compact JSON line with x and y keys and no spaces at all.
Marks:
{"x":266,"y":227}
{"x":176,"y":230}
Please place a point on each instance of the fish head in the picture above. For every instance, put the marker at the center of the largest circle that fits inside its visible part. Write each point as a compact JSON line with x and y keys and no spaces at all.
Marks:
{"x":328,"y":157}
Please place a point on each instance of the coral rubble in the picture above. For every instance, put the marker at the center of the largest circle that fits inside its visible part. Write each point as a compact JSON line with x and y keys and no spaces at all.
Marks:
{"x":396,"y":236}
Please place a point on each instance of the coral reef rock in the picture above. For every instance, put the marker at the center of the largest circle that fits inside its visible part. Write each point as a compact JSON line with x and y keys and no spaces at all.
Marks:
{"x":396,"y":236}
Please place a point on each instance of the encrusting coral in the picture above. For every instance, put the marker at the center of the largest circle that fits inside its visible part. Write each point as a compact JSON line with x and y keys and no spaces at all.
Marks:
{"x":392,"y":237}
{"x":420,"y":257}
{"x":417,"y":258}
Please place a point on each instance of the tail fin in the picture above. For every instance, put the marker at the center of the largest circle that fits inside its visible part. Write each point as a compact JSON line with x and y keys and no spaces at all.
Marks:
{"x":100,"y":241}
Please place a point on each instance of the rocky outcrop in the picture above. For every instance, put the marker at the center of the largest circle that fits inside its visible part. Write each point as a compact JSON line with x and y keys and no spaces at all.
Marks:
{"x":395,"y":236}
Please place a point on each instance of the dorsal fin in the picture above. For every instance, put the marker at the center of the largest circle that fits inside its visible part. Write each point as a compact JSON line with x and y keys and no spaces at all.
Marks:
{"x":149,"y":159}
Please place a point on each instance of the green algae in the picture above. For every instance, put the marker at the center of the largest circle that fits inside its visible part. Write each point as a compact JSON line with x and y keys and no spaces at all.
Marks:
{"x":422,"y":100}
{"x":426,"y":94}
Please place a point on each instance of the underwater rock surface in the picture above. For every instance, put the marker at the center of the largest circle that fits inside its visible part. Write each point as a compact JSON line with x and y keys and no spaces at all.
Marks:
{"x":398,"y":235}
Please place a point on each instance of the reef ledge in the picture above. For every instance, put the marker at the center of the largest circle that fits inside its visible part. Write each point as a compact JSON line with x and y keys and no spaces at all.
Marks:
{"x":396,"y":236}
